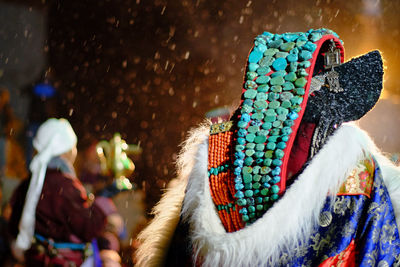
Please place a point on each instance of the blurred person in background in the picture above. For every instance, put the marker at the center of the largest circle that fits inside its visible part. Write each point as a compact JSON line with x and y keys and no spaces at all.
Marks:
{"x":52,"y":220}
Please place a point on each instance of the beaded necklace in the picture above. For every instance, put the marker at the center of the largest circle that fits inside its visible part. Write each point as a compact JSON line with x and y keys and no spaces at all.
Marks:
{"x":248,"y":155}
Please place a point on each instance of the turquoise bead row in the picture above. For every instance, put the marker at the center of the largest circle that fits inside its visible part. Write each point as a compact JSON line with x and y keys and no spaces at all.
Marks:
{"x":273,"y":91}
{"x":219,"y":169}
{"x":227,"y":207}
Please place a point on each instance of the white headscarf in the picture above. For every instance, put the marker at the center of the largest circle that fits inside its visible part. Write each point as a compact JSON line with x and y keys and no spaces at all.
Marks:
{"x":54,"y":137}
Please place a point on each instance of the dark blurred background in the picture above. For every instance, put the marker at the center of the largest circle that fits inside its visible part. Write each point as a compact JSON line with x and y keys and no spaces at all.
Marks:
{"x":152,"y":69}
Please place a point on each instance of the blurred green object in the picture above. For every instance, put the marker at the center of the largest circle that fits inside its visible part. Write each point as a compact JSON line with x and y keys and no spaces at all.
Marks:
{"x":114,"y":161}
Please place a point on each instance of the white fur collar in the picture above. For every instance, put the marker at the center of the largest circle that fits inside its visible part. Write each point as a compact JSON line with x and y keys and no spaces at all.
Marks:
{"x":290,"y":221}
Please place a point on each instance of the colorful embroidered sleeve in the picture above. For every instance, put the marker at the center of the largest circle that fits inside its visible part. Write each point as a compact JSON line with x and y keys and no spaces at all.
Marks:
{"x":360,"y":229}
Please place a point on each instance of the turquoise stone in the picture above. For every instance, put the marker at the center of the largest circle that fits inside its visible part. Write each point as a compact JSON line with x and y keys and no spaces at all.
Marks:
{"x":300,"y":43}
{"x":273,"y":139}
{"x":250,"y":145}
{"x":250,"y":94}
{"x":250,"y":137}
{"x":270,"y":118}
{"x":275,"y":44}
{"x":279,"y":153}
{"x":305,"y":55}
{"x":273,"y":96}
{"x":251,"y":75}
{"x":296,"y":108}
{"x":255,"y":56}
{"x":294,"y":51}
{"x":246,"y":169}
{"x":248,"y":193}
{"x":262,"y":79}
{"x":281,"y":118}
{"x":310,"y":46}
{"x":261,"y":47}
{"x":277,"y":81}
{"x":296,"y":100}
{"x":266,"y":125}
{"x":259,"y":207}
{"x":281,"y":54}
{"x":282,"y":111}
{"x":305,"y":64}
{"x":285,"y":138}
{"x":257,"y":116}
{"x":290,"y":37}
{"x":293,"y":66}
{"x":300,"y":91}
{"x":270,"y":112}
{"x":260,"y":147}
{"x":247,"y":177}
{"x":247,"y":186}
{"x":261,"y":96}
{"x":260,"y":139}
{"x":274,"y":104}
{"x":281,"y":145}
{"x":300,"y":82}
{"x":286,"y":104}
{"x":279,"y":64}
{"x":277,"y":123}
{"x":242,"y":202}
{"x":266,"y":61}
{"x":264,"y":192}
{"x":277,"y":162}
{"x":291,"y":77}
{"x":250,"y":152}
{"x":267,"y":162}
{"x":265,"y":170}
{"x":289,"y":123}
{"x":256,"y":185}
{"x":256,"y":178}
{"x":315,"y":36}
{"x":274,"y":197}
{"x":250,"y":85}
{"x":269,"y":154}
{"x":259,"y":154}
{"x":281,"y":73}
{"x":253,"y":129}
{"x":251,"y":207}
{"x":275,"y":189}
{"x":263,"y":88}
{"x":287,"y":46}
{"x":302,"y":73}
{"x":286,"y":130}
{"x":270,"y":52}
{"x":256,"y":170}
{"x":241,"y":141}
{"x":286,"y":96}
{"x":260,"y":104}
{"x":287,"y":86}
{"x":276,"y":88}
{"x":292,"y":58}
{"x":263,"y":70}
{"x":252,"y":215}
{"x":253,"y":66}
{"x":248,"y":161}
{"x":271,"y":146}
{"x":245,"y":218}
{"x":239,"y":148}
{"x":275,"y":131}
{"x":246,"y":109}
{"x":242,"y":124}
{"x":263,"y":132}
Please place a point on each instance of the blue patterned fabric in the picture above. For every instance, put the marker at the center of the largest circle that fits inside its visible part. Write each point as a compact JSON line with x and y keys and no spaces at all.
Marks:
{"x":370,"y":222}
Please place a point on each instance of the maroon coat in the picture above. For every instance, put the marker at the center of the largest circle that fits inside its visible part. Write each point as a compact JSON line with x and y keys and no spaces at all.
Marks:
{"x":63,"y":212}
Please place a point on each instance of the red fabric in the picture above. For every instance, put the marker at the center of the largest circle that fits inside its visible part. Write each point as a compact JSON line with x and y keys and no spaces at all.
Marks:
{"x":63,"y":210}
{"x":301,"y":147}
{"x":347,"y":258}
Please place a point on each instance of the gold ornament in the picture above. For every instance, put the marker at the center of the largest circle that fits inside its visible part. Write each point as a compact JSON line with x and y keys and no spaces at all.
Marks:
{"x":114,"y":160}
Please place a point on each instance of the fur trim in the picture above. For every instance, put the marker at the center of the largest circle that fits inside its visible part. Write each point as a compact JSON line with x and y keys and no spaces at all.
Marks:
{"x":290,"y":221}
{"x":155,"y":239}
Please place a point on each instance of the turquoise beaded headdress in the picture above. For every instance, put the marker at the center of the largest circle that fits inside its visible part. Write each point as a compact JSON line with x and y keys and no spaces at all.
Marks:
{"x":283,"y":71}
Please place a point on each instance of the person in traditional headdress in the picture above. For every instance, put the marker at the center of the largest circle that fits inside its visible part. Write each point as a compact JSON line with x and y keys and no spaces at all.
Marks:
{"x":53,"y":221}
{"x":288,"y":180}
